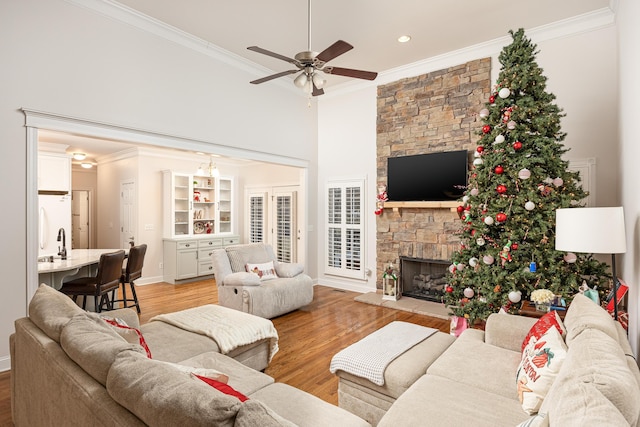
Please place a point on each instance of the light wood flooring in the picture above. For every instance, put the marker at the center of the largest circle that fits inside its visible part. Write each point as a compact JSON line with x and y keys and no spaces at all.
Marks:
{"x":308,"y":338}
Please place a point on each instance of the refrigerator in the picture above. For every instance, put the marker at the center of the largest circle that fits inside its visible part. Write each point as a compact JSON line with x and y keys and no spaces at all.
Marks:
{"x":54,"y":213}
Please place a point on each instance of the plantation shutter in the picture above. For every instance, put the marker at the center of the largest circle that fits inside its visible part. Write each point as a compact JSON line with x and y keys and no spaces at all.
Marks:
{"x":285,"y":226}
{"x":257,"y":217}
{"x":345,"y":229}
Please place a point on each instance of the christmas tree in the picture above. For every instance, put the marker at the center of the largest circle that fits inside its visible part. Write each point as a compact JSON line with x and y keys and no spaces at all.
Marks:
{"x":517,"y":182}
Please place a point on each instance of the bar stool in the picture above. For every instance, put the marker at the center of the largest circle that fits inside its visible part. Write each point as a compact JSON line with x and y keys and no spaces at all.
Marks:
{"x":106,"y":280}
{"x":133,"y":271}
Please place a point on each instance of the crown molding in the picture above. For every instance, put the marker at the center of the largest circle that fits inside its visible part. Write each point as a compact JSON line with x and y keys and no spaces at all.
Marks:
{"x":127,"y":15}
{"x":575,"y":25}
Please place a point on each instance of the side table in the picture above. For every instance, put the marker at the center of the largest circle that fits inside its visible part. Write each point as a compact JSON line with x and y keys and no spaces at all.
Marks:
{"x":528,"y":309}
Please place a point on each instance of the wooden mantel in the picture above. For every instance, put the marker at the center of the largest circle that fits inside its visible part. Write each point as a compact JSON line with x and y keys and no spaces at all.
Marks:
{"x":397,"y":206}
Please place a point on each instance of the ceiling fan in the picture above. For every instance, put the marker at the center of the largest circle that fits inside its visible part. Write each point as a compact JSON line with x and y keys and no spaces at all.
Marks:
{"x":310,"y":63}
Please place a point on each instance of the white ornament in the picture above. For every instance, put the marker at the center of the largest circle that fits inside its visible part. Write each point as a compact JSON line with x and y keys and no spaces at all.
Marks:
{"x":474,"y":192}
{"x":529,"y":205}
{"x":504,"y":93}
{"x":515,"y":296}
{"x":460,"y":267}
{"x":477,"y":154}
{"x":465,"y":198}
{"x":548,"y":180}
{"x":487,"y":259}
{"x":478,"y":162}
{"x":484,"y":113}
{"x":480,"y":241}
{"x":499,"y":139}
{"x":473,"y":261}
{"x":452,"y":268}
{"x":570,"y":258}
{"x":524,"y":174}
{"x":511,"y":125}
{"x":468,"y":292}
{"x":488,"y":220}
{"x":558,"y":182}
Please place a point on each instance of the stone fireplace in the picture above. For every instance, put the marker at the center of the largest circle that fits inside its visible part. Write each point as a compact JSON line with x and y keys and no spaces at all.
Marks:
{"x":432,"y":112}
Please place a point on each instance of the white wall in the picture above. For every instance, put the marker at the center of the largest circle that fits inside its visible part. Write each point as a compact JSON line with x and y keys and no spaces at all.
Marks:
{"x":629,"y":111}
{"x":69,"y":60}
{"x":576,"y":60}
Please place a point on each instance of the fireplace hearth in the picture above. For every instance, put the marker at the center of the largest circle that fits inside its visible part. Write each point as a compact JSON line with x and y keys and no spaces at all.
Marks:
{"x":423,"y":278}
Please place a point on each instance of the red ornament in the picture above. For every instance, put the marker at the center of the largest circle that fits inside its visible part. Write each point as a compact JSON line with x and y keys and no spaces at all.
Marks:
{"x":449,"y":289}
{"x":499,"y":170}
{"x":501,"y":217}
{"x":480,"y":149}
{"x":517,"y":145}
{"x":460,"y":208}
{"x":486,"y":129}
{"x":492,"y":99}
{"x":501,"y":189}
{"x":467,"y":208}
{"x":514,"y":246}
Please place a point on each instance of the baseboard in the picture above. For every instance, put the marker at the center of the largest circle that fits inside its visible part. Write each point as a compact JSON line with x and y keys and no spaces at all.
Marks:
{"x":346,"y":286}
{"x":5,"y":363}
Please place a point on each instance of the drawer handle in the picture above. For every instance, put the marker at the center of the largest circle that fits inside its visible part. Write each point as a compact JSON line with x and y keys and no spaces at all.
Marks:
{"x":187,"y":245}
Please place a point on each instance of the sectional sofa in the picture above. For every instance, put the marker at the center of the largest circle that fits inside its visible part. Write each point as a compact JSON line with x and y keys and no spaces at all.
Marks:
{"x":72,"y":368}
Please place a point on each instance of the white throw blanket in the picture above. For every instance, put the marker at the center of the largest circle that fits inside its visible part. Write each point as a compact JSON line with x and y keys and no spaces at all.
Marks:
{"x":369,"y":357}
{"x":227,"y":327}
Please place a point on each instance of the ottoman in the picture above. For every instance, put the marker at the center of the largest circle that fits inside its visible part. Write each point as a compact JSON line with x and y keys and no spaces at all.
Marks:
{"x":370,"y":401}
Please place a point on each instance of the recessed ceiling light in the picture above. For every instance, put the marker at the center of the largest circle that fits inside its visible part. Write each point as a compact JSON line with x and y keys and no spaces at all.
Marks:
{"x":404,"y":39}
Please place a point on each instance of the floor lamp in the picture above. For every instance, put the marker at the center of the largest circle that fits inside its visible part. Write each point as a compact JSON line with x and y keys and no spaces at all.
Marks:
{"x":595,"y":231}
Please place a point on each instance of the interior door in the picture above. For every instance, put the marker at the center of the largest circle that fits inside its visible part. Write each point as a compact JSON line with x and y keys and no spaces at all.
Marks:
{"x":257,"y":221}
{"x":80,"y":224}
{"x":127,"y":212}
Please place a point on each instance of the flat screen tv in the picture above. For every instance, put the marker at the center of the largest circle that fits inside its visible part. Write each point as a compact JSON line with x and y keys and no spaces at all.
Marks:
{"x":427,"y":177}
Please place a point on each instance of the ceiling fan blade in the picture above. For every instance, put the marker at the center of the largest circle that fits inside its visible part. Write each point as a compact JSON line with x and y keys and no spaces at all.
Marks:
{"x":273,"y":54}
{"x":348,"y":72}
{"x":333,"y":51}
{"x":317,"y":91}
{"x":273,"y":76}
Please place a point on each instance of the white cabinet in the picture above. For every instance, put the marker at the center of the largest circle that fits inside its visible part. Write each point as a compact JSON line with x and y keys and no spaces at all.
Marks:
{"x":54,"y":172}
{"x":197,"y":205}
{"x":191,"y":258}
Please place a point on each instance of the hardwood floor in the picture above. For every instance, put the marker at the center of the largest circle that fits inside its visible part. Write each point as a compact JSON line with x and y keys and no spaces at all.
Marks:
{"x":308,"y":338}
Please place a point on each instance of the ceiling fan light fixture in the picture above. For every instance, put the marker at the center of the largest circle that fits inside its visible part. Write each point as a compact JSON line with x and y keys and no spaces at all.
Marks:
{"x":318,"y":80}
{"x":301,"y":80}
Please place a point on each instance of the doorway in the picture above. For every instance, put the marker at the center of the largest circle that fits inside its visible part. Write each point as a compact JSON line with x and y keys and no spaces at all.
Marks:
{"x":80,"y":219}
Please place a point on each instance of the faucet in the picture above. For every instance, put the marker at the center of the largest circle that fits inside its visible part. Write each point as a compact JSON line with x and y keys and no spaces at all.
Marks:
{"x":62,"y":236}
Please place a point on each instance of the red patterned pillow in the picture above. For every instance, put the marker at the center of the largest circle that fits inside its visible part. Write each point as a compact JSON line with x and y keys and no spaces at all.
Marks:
{"x":131,"y":335}
{"x":222,"y":387}
{"x":551,"y":319}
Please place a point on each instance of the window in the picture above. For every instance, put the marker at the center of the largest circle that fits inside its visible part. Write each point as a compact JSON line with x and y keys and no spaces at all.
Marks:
{"x":345,"y":229}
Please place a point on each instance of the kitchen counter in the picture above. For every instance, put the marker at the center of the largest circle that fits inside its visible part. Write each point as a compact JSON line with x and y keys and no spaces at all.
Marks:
{"x":79,"y":263}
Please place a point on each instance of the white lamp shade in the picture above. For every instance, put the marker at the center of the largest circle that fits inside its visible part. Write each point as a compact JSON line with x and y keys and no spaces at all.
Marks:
{"x":591,"y":230}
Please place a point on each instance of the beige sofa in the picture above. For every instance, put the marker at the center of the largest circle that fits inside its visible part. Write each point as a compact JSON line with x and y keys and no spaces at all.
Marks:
{"x":473,"y":381}
{"x":69,"y":367}
{"x":244,"y":291}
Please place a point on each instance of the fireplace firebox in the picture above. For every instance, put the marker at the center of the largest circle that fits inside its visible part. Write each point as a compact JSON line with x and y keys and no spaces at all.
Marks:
{"x":423,"y":278}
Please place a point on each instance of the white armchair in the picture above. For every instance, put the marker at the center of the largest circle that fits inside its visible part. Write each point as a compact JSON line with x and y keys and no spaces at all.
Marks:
{"x":282,"y":288}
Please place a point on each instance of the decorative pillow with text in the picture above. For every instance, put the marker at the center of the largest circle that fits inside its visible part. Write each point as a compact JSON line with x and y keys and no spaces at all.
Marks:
{"x":266,"y":270}
{"x":541,"y":361}
{"x":551,"y":319}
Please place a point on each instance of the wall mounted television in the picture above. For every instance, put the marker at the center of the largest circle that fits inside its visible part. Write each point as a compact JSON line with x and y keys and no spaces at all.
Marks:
{"x":427,"y":177}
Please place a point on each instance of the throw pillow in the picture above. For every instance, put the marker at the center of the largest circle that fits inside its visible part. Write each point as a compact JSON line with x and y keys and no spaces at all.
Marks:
{"x":541,"y":361}
{"x":202,"y":372}
{"x":131,"y":335}
{"x":542,"y":325}
{"x":265,"y":270}
{"x":222,"y":387}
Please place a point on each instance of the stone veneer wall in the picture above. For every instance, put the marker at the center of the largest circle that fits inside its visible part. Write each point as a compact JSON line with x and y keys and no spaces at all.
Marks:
{"x":429,"y":113}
